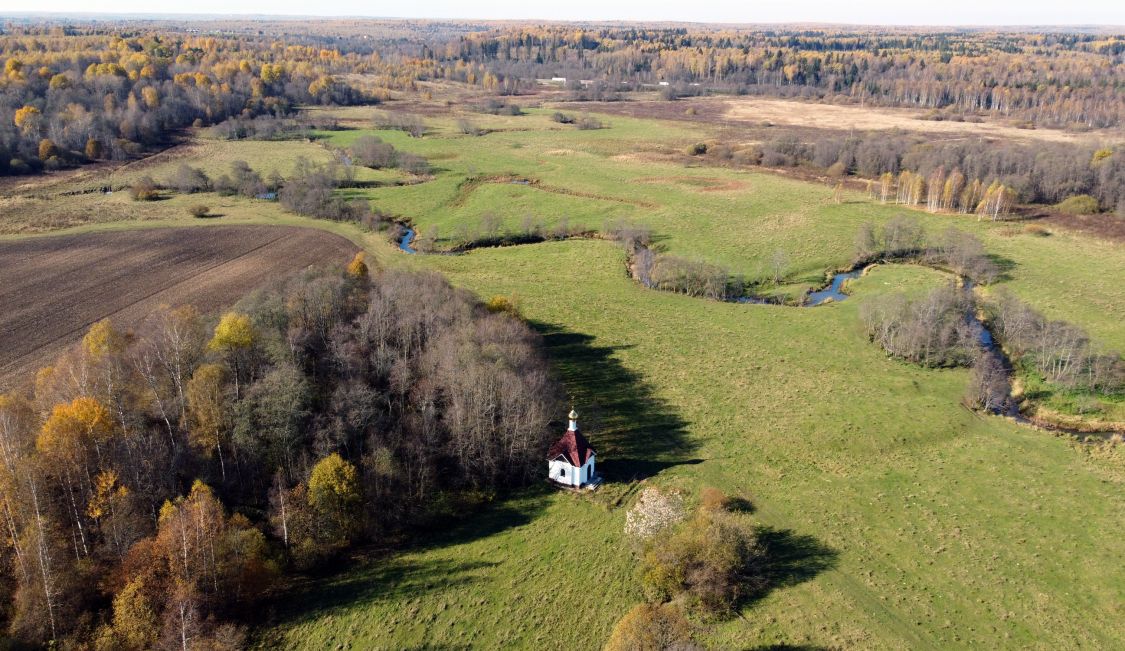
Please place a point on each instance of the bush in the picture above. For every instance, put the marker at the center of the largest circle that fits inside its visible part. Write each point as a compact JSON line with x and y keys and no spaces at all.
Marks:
{"x":562,"y":118}
{"x":1079,"y":204}
{"x":199,"y":210}
{"x":469,"y":128}
{"x":698,"y":149}
{"x":504,"y":305}
{"x":588,"y":123}
{"x":710,"y":563}
{"x":188,"y":179}
{"x":748,"y":156}
{"x":144,"y":189}
{"x":652,"y":627}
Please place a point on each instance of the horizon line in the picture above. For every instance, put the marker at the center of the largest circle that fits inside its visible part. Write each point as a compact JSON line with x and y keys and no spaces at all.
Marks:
{"x":209,"y":16}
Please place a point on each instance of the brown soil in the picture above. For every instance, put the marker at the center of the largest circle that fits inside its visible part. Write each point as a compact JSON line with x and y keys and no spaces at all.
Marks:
{"x":53,"y":288}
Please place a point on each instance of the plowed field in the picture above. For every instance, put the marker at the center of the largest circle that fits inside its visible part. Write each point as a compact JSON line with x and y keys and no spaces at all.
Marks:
{"x":53,"y":288}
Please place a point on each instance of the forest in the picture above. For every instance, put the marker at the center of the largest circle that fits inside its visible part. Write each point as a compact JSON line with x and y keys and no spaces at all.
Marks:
{"x":1047,"y":79}
{"x":78,"y":94}
{"x":156,"y":482}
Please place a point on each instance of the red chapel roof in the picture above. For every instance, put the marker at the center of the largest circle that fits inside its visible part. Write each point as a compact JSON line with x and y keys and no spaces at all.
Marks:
{"x":573,"y":446}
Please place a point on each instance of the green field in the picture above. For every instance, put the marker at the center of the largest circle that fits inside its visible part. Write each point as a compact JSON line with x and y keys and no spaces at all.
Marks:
{"x":906,"y":521}
{"x":896,"y":517}
{"x":633,"y":170}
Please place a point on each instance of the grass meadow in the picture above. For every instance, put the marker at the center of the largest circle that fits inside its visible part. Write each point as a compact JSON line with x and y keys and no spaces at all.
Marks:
{"x":896,"y":517}
{"x":634,"y":170}
{"x":900,"y":519}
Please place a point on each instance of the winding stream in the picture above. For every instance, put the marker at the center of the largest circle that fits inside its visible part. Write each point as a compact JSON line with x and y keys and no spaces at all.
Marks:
{"x":406,"y":240}
{"x":833,"y":293}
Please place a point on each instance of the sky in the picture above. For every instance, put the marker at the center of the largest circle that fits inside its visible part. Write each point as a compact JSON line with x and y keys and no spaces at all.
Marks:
{"x":885,"y":12}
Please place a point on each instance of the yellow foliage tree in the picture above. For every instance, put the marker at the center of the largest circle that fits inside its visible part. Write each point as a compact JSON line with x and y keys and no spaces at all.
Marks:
{"x":27,"y":119}
{"x":235,"y":331}
{"x":206,"y":410}
{"x":81,"y":421}
{"x":357,"y":268}
{"x":102,"y":340}
{"x":47,"y":149}
{"x":150,"y":96}
{"x":107,"y":490}
{"x":135,"y":625}
{"x":94,"y":149}
{"x":332,"y":494}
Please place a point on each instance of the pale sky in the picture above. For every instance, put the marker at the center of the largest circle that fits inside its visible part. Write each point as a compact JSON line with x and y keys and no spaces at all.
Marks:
{"x":897,"y":12}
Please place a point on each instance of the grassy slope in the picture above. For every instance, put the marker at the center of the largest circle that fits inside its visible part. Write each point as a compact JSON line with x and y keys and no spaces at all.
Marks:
{"x":733,"y":217}
{"x":904,"y":520}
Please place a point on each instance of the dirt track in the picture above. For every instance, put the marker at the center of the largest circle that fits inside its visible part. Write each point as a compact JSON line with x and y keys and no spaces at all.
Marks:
{"x":53,"y":288}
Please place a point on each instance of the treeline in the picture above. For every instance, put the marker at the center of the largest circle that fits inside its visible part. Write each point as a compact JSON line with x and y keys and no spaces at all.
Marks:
{"x":1045,"y":79}
{"x":1060,"y":352}
{"x":270,"y":127}
{"x":68,"y":98}
{"x":962,"y":175}
{"x":371,"y":151}
{"x":903,"y":237}
{"x":154,"y":482}
{"x":934,"y":330}
{"x":310,"y":190}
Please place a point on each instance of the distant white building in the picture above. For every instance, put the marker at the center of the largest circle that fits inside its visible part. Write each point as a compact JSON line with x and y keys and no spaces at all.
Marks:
{"x":570,"y":461}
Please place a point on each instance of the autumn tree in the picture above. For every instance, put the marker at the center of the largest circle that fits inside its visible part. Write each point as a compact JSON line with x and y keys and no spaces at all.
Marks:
{"x":207,"y":419}
{"x":652,"y":627}
{"x":333,"y":493}
{"x":234,"y":339}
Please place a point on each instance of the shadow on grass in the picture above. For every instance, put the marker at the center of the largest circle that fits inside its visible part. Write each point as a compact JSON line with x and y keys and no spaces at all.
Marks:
{"x":790,"y":559}
{"x":636,"y":434}
{"x":370,"y":576}
{"x":1004,"y":266}
{"x":787,"y":647}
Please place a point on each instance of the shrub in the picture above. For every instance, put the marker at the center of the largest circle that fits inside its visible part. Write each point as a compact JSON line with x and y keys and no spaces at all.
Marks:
{"x":748,"y":156}
{"x":144,"y":189}
{"x":652,"y":627}
{"x":562,"y":118}
{"x":504,"y":304}
{"x":698,"y":149}
{"x":188,"y":179}
{"x":933,"y":330}
{"x":1037,"y":230}
{"x":837,"y":169}
{"x":469,"y":128}
{"x":588,"y":123}
{"x":1079,"y":204}
{"x":711,"y":563}
{"x":199,"y":210}
{"x":712,"y":499}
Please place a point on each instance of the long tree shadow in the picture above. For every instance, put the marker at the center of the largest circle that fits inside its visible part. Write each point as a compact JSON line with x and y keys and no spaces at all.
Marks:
{"x":1004,"y":267}
{"x":369,"y":576}
{"x":790,"y":558}
{"x":637,"y":434}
